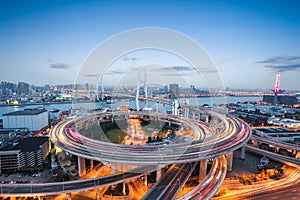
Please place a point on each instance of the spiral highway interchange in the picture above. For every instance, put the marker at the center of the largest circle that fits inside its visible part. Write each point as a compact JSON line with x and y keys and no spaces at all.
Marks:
{"x":205,"y":144}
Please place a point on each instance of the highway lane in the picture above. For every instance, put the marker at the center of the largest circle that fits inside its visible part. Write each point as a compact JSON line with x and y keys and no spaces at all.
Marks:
{"x":272,"y":141}
{"x":278,"y":157}
{"x":164,"y":183}
{"x":183,"y":152}
{"x":212,"y":182}
{"x":292,"y":193}
{"x":290,"y":179}
{"x":232,"y":136}
{"x":178,"y":181}
{"x":209,"y":190}
{"x":177,"y":175}
{"x":38,"y":189}
{"x":207,"y":144}
{"x":209,"y":178}
{"x":170,"y":183}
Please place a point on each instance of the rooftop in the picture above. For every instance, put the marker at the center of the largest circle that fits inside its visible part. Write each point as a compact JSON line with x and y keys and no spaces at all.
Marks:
{"x":26,"y":112}
{"x":30,"y":144}
{"x":276,"y":130}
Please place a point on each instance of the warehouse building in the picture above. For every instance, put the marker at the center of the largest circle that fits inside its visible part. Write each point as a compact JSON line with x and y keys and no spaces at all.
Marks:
{"x":32,"y":119}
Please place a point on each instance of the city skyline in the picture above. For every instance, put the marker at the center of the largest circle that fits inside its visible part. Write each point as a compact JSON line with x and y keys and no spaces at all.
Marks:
{"x":249,"y":41}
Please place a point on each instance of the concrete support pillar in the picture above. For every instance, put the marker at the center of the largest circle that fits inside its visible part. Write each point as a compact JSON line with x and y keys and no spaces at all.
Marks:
{"x":202,"y":170}
{"x":158,"y":174}
{"x":40,"y":198}
{"x":114,"y":168}
{"x":199,"y":116}
{"x":243,"y":152}
{"x":194,"y":115}
{"x":69,"y":195}
{"x":186,"y":113}
{"x":13,"y":198}
{"x":175,"y":107}
{"x":86,"y":126}
{"x":98,"y":193}
{"x":207,"y":118}
{"x":294,"y":152}
{"x":229,"y":158}
{"x":81,"y":166}
{"x":92,"y":163}
{"x":146,"y":179}
{"x":124,"y":188}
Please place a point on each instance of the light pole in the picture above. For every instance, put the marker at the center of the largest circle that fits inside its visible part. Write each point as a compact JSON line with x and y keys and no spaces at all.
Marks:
{"x":119,"y":139}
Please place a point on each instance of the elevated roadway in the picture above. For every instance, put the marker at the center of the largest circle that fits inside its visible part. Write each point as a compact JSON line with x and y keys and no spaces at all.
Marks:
{"x":212,"y":182}
{"x":275,"y":156}
{"x":273,"y":141}
{"x":235,"y":134}
{"x":168,"y":186}
{"x":40,"y":189}
{"x":203,"y":145}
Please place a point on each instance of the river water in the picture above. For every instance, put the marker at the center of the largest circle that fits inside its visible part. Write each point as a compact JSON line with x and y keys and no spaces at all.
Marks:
{"x":115,"y":104}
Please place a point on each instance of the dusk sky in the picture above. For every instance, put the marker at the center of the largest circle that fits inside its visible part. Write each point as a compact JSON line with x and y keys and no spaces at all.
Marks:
{"x":45,"y":42}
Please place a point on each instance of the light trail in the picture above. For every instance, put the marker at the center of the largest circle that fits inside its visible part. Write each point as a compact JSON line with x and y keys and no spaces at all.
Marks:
{"x":209,"y":146}
{"x":206,"y":144}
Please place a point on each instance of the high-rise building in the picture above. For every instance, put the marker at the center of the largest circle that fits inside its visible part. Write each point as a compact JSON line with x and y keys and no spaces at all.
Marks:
{"x":7,"y":88}
{"x":28,"y":154}
{"x":23,"y":88}
{"x":174,"y":89}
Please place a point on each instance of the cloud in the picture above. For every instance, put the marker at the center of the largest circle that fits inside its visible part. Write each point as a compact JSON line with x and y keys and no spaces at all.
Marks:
{"x":60,"y":66}
{"x":182,"y":68}
{"x":114,"y":72}
{"x":91,"y":75}
{"x":207,"y":70}
{"x":282,"y":63}
{"x":283,"y":68}
{"x":280,"y":59}
{"x":177,"y":68}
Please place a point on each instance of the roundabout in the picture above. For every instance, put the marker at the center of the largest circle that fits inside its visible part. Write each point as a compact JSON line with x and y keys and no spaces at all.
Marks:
{"x":203,"y":144}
